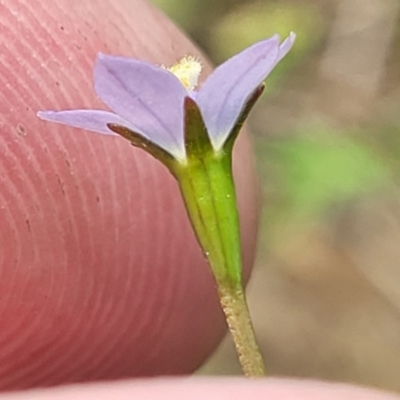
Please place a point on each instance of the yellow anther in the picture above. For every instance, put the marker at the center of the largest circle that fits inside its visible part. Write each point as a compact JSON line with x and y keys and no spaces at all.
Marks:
{"x":187,"y":71}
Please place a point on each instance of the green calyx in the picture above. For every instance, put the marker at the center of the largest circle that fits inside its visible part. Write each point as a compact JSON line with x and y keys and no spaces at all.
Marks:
{"x":206,"y":183}
{"x":207,"y":186}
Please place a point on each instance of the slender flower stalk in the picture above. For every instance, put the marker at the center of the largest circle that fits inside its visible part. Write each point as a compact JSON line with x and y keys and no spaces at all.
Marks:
{"x":192,"y":133}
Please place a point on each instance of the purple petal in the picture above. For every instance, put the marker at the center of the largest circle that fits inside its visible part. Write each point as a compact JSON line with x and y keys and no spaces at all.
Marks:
{"x":149,"y":97}
{"x":285,"y":46}
{"x":225,"y":92}
{"x":91,"y":120}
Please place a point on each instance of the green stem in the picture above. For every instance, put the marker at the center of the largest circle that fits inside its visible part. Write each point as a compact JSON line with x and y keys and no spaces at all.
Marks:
{"x":208,"y":190}
{"x":237,"y":314}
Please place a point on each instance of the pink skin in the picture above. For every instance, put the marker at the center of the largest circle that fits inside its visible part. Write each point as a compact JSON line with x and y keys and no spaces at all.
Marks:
{"x":200,"y":389}
{"x":100,"y":274}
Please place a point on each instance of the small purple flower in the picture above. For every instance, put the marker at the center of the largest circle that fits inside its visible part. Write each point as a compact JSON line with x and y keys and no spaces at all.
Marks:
{"x":192,"y":133}
{"x":149,"y":100}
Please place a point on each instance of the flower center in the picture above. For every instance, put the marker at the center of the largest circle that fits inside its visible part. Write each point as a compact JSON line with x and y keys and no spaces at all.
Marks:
{"x":187,"y":71}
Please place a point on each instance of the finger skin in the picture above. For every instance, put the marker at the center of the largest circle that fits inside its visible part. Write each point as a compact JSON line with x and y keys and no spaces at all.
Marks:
{"x":212,"y":389}
{"x":100,"y":274}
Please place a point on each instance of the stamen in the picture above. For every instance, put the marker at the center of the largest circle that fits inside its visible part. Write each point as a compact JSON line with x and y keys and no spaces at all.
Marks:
{"x":187,"y":71}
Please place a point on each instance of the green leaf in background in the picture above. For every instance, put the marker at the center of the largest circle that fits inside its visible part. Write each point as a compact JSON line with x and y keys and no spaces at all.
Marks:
{"x":321,"y":169}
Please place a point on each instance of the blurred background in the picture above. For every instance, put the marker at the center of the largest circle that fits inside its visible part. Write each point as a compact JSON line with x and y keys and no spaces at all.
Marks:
{"x":325,"y":295}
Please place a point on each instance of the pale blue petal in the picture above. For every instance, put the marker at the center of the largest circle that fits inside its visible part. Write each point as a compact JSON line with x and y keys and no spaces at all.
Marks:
{"x":286,"y":45}
{"x":149,"y":97}
{"x":91,"y":120}
{"x":224,"y":94}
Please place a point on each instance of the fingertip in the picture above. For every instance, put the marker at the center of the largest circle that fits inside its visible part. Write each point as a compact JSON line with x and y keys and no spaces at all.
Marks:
{"x":101,"y":275}
{"x":211,"y":389}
